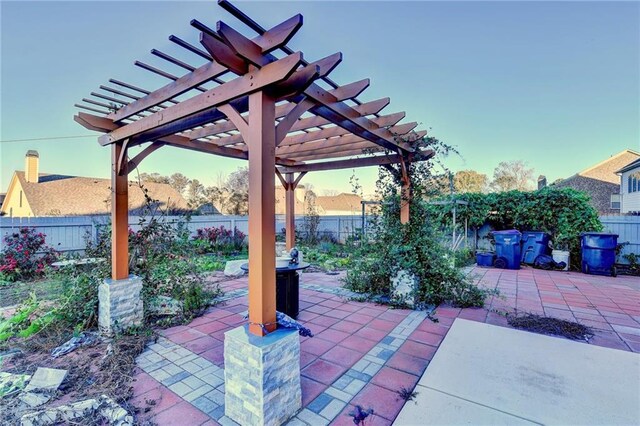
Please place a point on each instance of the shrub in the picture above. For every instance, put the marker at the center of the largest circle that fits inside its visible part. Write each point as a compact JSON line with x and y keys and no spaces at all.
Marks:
{"x":25,"y":255}
{"x":563,"y":212}
{"x":219,"y":240}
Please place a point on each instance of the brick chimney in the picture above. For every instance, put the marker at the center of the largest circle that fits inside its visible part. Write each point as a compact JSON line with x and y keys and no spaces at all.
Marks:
{"x":542,"y":181}
{"x":31,"y":165}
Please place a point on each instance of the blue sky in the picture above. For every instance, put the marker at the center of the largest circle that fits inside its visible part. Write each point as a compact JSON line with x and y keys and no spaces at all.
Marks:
{"x":556,"y":84}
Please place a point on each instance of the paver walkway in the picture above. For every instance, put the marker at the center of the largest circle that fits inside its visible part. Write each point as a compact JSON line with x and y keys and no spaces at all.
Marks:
{"x":363,"y":353}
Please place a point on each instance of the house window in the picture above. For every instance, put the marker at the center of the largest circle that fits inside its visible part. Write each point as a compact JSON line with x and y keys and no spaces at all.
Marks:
{"x":615,"y":201}
{"x":629,"y":184}
{"x":20,"y":198}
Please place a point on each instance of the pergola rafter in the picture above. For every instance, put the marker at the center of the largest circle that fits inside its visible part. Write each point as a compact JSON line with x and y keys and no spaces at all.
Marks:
{"x":253,"y":99}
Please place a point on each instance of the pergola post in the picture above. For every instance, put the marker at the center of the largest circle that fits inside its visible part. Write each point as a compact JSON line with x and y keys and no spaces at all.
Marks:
{"x":405,"y":201}
{"x":290,"y":212}
{"x":119,"y":302}
{"x":261,"y":142}
{"x":119,"y":215}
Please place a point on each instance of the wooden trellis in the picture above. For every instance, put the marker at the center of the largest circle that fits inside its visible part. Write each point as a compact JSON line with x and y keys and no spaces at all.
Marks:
{"x":253,"y":99}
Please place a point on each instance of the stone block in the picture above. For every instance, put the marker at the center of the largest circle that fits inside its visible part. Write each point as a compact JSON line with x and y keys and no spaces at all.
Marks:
{"x":262,"y":376}
{"x":120,"y":304}
{"x":232,"y":268}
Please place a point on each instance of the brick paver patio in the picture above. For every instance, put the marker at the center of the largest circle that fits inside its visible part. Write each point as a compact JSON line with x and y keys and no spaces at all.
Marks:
{"x":363,"y":353}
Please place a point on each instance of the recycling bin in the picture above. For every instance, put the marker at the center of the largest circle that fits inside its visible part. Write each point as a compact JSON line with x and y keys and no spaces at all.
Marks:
{"x":507,"y":249}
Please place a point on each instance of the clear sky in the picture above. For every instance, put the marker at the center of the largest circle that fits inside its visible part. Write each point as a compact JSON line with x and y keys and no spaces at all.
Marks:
{"x":554,"y":83}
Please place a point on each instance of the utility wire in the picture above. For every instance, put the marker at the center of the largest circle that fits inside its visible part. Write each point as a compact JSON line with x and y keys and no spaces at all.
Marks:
{"x":45,"y":139}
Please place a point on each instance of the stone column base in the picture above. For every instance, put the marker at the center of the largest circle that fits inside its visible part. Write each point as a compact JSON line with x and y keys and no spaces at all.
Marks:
{"x":262,"y":376}
{"x":119,"y":304}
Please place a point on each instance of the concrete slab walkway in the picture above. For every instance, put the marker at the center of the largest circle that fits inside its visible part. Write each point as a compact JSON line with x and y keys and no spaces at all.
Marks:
{"x":483,"y":374}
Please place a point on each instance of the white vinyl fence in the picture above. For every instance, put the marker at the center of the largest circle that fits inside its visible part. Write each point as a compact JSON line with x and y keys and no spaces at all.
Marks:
{"x":70,"y":233}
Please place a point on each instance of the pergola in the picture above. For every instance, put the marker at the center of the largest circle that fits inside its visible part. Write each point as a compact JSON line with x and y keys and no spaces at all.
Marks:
{"x":256,"y":99}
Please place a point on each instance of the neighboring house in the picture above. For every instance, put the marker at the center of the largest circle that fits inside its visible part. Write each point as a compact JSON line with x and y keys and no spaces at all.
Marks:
{"x":34,"y":194}
{"x":602,"y":182}
{"x":630,"y":188}
{"x":325,"y":205}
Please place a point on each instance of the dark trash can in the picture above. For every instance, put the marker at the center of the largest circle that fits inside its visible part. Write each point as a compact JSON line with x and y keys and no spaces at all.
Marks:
{"x":484,"y":259}
{"x":507,"y":249}
{"x":599,"y":253}
{"x":534,"y":244}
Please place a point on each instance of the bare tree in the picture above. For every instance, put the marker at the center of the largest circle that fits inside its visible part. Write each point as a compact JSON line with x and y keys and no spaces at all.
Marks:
{"x":470,"y":181}
{"x":179,"y":182}
{"x":237,"y":190}
{"x":512,"y":175}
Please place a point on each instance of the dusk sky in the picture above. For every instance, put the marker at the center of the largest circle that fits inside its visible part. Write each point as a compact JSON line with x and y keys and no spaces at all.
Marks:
{"x":556,"y":84}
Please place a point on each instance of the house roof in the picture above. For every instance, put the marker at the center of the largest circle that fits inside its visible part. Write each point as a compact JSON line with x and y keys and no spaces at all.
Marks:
{"x":606,"y":170}
{"x":630,"y":166}
{"x":55,"y":195}
{"x":340,"y":202}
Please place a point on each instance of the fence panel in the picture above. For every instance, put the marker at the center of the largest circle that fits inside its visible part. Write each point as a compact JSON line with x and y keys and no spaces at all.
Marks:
{"x":628,"y":230}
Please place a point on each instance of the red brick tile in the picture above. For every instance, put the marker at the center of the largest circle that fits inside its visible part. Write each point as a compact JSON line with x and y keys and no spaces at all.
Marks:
{"x":382,"y":325}
{"x":426,"y":338}
{"x":142,"y":382}
{"x":337,"y":313}
{"x":324,"y":321}
{"x":181,"y":414}
{"x":445,"y":311}
{"x":310,"y":389}
{"x":323,"y":371}
{"x":358,"y":343}
{"x":394,"y":380}
{"x":185,"y":336}
{"x":474,"y":314}
{"x":211,"y":327}
{"x":316,"y":345}
{"x":233,"y":320}
{"x":408,"y":363}
{"x":372,"y":334}
{"x":215,"y":355}
{"x":385,"y":403}
{"x":306,"y":316}
{"x":359,"y":318}
{"x":156,"y":400}
{"x":332,"y":335}
{"x":417,"y":349}
{"x":318,"y":309}
{"x":433,"y":327}
{"x":347,"y":326}
{"x":342,"y":356}
{"x":174,"y":330}
{"x":306,"y":358}
{"x":202,"y":344}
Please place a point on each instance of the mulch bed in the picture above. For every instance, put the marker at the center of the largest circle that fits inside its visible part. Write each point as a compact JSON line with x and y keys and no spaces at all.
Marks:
{"x":551,"y":326}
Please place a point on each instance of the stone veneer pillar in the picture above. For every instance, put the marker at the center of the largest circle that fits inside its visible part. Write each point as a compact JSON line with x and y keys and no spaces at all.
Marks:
{"x":119,"y":304}
{"x":262,"y":376}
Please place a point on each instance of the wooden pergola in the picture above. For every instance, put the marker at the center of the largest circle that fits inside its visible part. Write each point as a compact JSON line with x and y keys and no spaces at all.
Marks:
{"x":254,"y":99}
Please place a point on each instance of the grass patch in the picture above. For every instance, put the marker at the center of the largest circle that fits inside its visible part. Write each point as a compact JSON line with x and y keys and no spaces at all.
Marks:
{"x":553,"y":326}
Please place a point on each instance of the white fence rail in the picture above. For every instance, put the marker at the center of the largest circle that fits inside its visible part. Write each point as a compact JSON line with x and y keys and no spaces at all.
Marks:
{"x":70,"y":233}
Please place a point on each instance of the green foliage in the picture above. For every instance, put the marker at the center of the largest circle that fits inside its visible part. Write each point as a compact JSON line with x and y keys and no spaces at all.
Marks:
{"x":25,"y":255}
{"x":563,"y":212}
{"x":416,"y":247}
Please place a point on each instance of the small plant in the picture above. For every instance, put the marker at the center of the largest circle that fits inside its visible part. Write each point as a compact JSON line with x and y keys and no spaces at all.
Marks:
{"x":360,"y":415}
{"x":219,"y":239}
{"x":407,"y":394}
{"x":25,"y":255}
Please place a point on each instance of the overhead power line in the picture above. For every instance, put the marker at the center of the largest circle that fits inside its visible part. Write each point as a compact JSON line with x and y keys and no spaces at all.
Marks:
{"x":45,"y":139}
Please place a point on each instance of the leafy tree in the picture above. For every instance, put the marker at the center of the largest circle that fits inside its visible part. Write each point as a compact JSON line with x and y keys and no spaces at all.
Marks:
{"x":470,"y":181}
{"x":512,"y":175}
{"x":237,"y":192}
{"x":154,"y":178}
{"x":179,"y":182}
{"x":195,"y":194}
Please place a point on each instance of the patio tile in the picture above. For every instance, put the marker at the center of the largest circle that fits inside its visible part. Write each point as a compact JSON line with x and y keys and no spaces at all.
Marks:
{"x":358,"y":343}
{"x":202,"y":344}
{"x":426,"y":338}
{"x":407,"y":363}
{"x":385,"y":403}
{"x":211,"y":327}
{"x":323,"y":371}
{"x":342,"y":356}
{"x":417,"y":349}
{"x":185,"y":336}
{"x":394,"y":380}
{"x":215,"y":355}
{"x":371,"y":334}
{"x":142,"y":382}
{"x":382,"y":325}
{"x":181,"y":414}
{"x":345,"y":418}
{"x":360,"y":318}
{"x":310,"y":389}
{"x":316,"y":346}
{"x":347,"y":326}
{"x":331,"y":335}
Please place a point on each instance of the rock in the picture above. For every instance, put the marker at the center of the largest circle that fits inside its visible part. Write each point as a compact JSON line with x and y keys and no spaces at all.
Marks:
{"x":404,"y":286}
{"x":164,"y":305}
{"x":46,"y":379}
{"x":84,"y":339}
{"x":34,"y":399}
{"x":232,"y":268}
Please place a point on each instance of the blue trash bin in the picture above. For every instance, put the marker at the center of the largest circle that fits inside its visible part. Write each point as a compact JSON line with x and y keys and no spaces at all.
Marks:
{"x":534,"y":243}
{"x":507,"y":249}
{"x":599,"y":253}
{"x":484,"y":259}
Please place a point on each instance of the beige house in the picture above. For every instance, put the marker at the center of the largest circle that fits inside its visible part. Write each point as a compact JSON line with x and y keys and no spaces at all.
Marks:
{"x":326,"y":205}
{"x":34,"y":194}
{"x":602,"y":182}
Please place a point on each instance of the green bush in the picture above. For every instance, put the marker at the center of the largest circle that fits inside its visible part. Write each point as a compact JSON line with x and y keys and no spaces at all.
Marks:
{"x":563,"y":212}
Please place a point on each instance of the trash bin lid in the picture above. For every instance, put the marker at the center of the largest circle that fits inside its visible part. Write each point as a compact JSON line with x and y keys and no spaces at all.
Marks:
{"x":599,"y":234}
{"x":508,"y":232}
